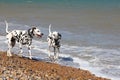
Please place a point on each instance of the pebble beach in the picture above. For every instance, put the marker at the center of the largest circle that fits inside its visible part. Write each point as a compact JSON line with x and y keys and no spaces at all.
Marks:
{"x":18,"y":68}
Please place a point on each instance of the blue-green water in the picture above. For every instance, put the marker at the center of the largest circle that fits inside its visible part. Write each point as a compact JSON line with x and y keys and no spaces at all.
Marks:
{"x":69,"y":3}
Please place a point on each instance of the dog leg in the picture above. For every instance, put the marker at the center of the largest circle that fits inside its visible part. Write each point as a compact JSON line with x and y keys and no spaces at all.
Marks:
{"x":9,"y":50}
{"x":49,"y":51}
{"x":29,"y":51}
{"x":55,"y":54}
{"x":21,"y":51}
{"x":58,"y":49}
{"x":49,"y":46}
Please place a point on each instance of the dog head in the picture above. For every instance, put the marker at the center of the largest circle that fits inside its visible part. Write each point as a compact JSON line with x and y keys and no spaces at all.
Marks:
{"x":56,"y":35}
{"x":35,"y":32}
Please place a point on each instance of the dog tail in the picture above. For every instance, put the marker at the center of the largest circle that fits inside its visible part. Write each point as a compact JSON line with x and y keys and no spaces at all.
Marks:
{"x":6,"y":26}
{"x":50,"y":28}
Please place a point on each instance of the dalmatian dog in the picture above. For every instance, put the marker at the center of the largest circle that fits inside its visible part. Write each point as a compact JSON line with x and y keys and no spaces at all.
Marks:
{"x":54,"y":42}
{"x":23,"y":37}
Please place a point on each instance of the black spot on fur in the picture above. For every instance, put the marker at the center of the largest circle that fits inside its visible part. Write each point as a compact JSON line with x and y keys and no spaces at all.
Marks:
{"x":13,"y":41}
{"x":57,"y":43}
{"x":30,"y":32}
{"x":50,"y":37}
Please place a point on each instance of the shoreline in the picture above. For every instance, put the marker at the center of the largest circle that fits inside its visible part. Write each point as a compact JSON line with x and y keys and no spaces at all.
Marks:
{"x":16,"y":67}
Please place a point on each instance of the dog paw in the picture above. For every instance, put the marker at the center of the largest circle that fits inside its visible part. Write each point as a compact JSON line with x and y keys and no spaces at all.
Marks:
{"x":20,"y":55}
{"x":9,"y":54}
{"x":30,"y":57}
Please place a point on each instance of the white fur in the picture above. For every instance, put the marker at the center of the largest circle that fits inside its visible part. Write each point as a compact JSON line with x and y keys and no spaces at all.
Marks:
{"x":23,"y":37}
{"x":54,"y":42}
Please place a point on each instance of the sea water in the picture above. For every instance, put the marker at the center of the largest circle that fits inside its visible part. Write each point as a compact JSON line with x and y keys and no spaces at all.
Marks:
{"x":90,"y":31}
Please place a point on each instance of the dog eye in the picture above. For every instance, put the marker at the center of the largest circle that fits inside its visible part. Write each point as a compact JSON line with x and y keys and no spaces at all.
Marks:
{"x":53,"y":34}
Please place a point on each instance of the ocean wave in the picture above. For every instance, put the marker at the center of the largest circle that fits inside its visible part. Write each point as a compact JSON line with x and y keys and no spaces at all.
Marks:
{"x":97,"y":60}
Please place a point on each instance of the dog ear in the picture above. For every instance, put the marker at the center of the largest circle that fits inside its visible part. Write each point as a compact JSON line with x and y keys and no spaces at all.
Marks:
{"x":30,"y":31}
{"x":33,"y":27}
{"x":60,"y":36}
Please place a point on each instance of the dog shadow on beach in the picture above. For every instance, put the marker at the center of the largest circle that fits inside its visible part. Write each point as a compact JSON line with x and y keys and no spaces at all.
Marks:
{"x":61,"y":59}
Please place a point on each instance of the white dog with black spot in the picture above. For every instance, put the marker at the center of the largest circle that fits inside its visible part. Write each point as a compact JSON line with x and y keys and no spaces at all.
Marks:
{"x":54,"y":42}
{"x":23,"y":37}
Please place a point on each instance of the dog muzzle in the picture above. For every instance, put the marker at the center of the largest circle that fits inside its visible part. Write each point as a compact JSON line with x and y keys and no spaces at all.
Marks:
{"x":39,"y":35}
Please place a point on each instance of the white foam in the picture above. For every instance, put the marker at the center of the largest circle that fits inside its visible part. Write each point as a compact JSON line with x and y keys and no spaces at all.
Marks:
{"x":68,"y":51}
{"x":88,"y":58}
